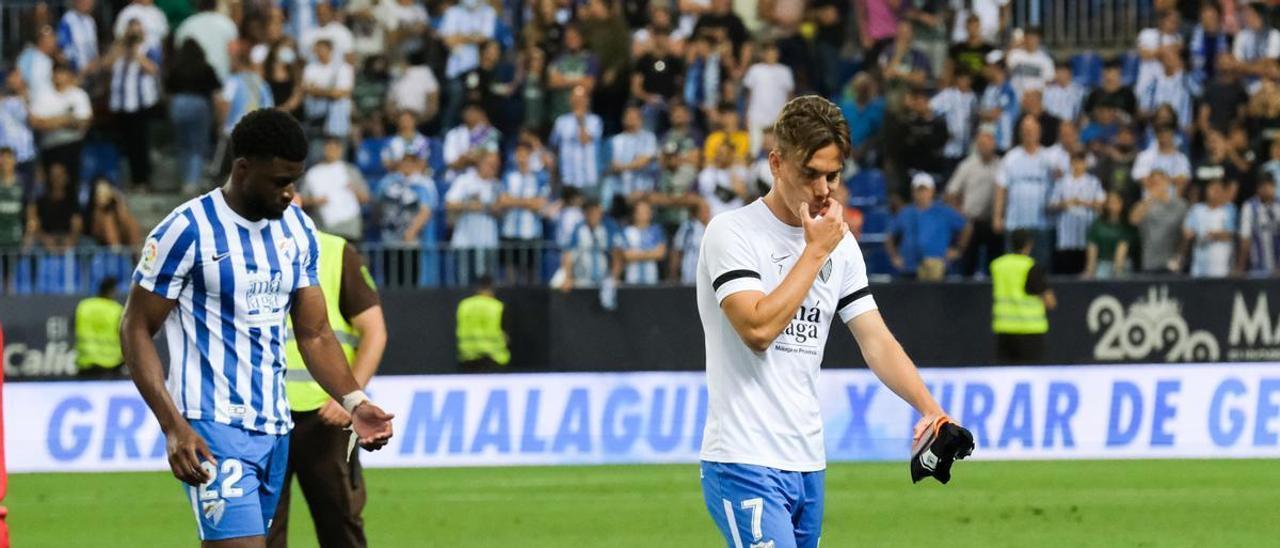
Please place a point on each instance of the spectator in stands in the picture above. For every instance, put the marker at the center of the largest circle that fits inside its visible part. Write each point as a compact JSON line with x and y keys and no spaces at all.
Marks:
{"x":658,"y":78}
{"x":729,"y":130}
{"x":62,"y":116}
{"x":723,"y":183}
{"x":914,"y":142}
{"x":769,"y":84}
{"x":416,"y":90}
{"x":192,"y":85}
{"x":682,"y":136}
{"x":1259,"y":252}
{"x":761,"y":173}
{"x":155,"y":26}
{"x":1168,"y":87}
{"x":1023,"y":185}
{"x":53,"y":219}
{"x":243,"y":92}
{"x":78,"y":37}
{"x":36,"y":63}
{"x":15,"y":130}
{"x":1068,"y":144}
{"x":277,"y":61}
{"x":1215,"y":163}
{"x":925,"y":235}
{"x":830,"y":35}
{"x":1076,"y":199}
{"x":1109,"y":240}
{"x":678,"y":187}
{"x":577,"y":136}
{"x":335,"y":191}
{"x":929,"y":22}
{"x":609,"y":39}
{"x":685,"y":246}
{"x":1115,"y":164}
{"x":465,"y":26}
{"x":575,"y":68}
{"x":1112,"y":94}
{"x":407,"y":21}
{"x":12,"y":205}
{"x":531,"y":85}
{"x":525,"y":193}
{"x":992,"y":17}
{"x":1155,"y":43}
{"x":464,"y":145}
{"x":877,"y":25}
{"x":958,"y":107}
{"x":484,"y":84}
{"x":1030,"y":66}
{"x":1164,"y":156}
{"x":643,"y":245}
{"x":406,"y":138}
{"x":1208,"y":44}
{"x":1223,"y":100}
{"x":1158,"y":218}
{"x":327,"y":82}
{"x":1033,"y":106}
{"x":108,"y":217}
{"x":135,"y":90}
{"x":328,"y":29}
{"x":643,"y":40}
{"x":470,"y":203}
{"x":1257,"y":45}
{"x":1209,"y":230}
{"x":402,"y":213}
{"x":999,"y":103}
{"x":591,"y":254}
{"x":903,"y":65}
{"x":1063,"y":97}
{"x":864,"y":108}
{"x":969,"y":55}
{"x":706,"y":70}
{"x":213,"y":31}
{"x":633,"y":158}
{"x":972,"y":191}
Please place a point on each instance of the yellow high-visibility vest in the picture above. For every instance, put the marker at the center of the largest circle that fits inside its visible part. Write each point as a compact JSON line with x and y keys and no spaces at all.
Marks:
{"x":480,"y":332}
{"x":98,"y":333}
{"x":1014,"y":311}
{"x":304,"y":393}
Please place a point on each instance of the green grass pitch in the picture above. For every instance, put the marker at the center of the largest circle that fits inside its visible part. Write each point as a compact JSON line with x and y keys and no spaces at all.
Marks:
{"x":1219,"y":503}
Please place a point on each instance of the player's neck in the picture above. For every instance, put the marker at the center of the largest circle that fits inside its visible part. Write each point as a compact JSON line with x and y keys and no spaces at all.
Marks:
{"x":236,"y":202}
{"x":779,"y":209}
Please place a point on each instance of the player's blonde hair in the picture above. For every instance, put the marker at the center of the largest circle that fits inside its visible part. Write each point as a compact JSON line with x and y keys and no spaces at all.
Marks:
{"x":809,"y":123}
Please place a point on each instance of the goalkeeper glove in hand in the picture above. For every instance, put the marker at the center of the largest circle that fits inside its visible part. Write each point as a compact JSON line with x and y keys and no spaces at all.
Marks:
{"x":941,"y":444}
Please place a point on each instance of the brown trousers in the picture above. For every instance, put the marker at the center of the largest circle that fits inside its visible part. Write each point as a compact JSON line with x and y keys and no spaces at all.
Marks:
{"x":332,"y":485}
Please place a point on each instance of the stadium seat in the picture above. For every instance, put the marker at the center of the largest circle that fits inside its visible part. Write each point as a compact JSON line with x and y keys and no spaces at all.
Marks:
{"x":369,"y":160}
{"x":23,"y":277}
{"x":875,"y":220}
{"x":1129,"y":64}
{"x":57,"y":274}
{"x":867,"y":189}
{"x":1086,"y":69}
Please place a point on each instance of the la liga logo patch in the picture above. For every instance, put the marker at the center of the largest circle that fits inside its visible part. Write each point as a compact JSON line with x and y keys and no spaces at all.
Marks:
{"x":150,"y":251}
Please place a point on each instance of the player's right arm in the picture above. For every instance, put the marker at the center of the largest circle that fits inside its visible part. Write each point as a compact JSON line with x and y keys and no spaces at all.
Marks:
{"x":167,"y":257}
{"x":759,"y":317}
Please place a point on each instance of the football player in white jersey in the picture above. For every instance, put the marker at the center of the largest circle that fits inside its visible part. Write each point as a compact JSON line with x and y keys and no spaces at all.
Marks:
{"x":772,"y":277}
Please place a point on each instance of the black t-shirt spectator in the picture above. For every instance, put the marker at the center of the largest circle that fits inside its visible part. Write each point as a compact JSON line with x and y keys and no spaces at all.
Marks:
{"x":970,"y":59}
{"x":55,"y":214}
{"x":660,"y":75}
{"x":1224,"y":101}
{"x":1122,"y":98}
{"x":198,"y":79}
{"x":729,"y":23}
{"x":833,"y":34}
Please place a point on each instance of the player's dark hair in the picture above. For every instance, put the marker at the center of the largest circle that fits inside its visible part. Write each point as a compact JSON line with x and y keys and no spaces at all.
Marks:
{"x":269,"y":133}
{"x":107,"y":286}
{"x":808,"y":123}
{"x":484,"y":282}
{"x":1022,"y":239}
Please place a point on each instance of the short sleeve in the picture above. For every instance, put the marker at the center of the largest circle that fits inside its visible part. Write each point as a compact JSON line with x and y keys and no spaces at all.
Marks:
{"x":730,"y":260}
{"x":1191,"y":221}
{"x":167,"y":256}
{"x":1002,"y":174}
{"x":1246,"y":221}
{"x":346,"y":77}
{"x":310,"y":257}
{"x":855,"y":290}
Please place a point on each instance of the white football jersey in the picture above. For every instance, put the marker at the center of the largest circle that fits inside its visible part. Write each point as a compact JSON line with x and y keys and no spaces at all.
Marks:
{"x":763,"y":407}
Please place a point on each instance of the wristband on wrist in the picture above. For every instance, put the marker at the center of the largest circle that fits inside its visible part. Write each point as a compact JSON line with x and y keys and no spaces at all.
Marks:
{"x":354,"y":399}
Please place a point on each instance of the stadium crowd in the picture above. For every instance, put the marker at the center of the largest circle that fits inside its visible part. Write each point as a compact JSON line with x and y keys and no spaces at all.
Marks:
{"x":513,"y":137}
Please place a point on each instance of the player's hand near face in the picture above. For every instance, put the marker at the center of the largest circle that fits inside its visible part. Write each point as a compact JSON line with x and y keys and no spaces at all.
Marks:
{"x":372,"y":425}
{"x":826,"y":231}
{"x":186,"y":450}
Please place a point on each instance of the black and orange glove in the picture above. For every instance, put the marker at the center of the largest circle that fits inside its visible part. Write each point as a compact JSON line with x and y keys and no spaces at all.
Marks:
{"x":937,"y":447}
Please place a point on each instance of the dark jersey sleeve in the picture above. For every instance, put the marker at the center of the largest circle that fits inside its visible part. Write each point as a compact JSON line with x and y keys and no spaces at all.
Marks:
{"x":358,"y":291}
{"x":1037,"y":280}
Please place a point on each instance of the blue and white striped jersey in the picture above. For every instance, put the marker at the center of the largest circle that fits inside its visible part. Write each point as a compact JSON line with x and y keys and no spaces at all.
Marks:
{"x":1064,"y":102}
{"x":1074,"y":221}
{"x":649,"y":238}
{"x":522,"y":223}
{"x":15,"y":131}
{"x":244,"y":92}
{"x":959,"y":109}
{"x":78,"y":39}
{"x":132,"y":88}
{"x":625,"y":148}
{"x":578,"y":163}
{"x":233,"y":280}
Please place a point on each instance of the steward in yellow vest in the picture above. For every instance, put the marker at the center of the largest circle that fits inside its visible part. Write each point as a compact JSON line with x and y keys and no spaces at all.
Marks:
{"x":318,"y":456}
{"x":1021,"y":295}
{"x":482,"y":344}
{"x":98,"y":353}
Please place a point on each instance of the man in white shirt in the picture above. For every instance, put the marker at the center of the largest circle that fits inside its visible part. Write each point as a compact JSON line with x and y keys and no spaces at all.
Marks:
{"x":463,"y":145}
{"x":772,"y":277}
{"x":723,"y":185}
{"x":327,"y":82}
{"x":327,"y":28}
{"x":769,"y":84}
{"x":335,"y":191}
{"x":214,"y":32}
{"x":35,"y":63}
{"x":1153,"y":42}
{"x":465,"y":26}
{"x":1257,"y":46}
{"x":78,"y":36}
{"x":470,"y":202}
{"x":62,"y":116}
{"x":1030,"y":67}
{"x":1163,"y":155}
{"x":416,"y":90}
{"x":154,"y":24}
{"x":577,"y":135}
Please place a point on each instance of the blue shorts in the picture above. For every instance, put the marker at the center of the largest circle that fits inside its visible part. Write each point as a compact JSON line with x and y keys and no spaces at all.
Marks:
{"x":241,"y":498}
{"x":761,"y":507}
